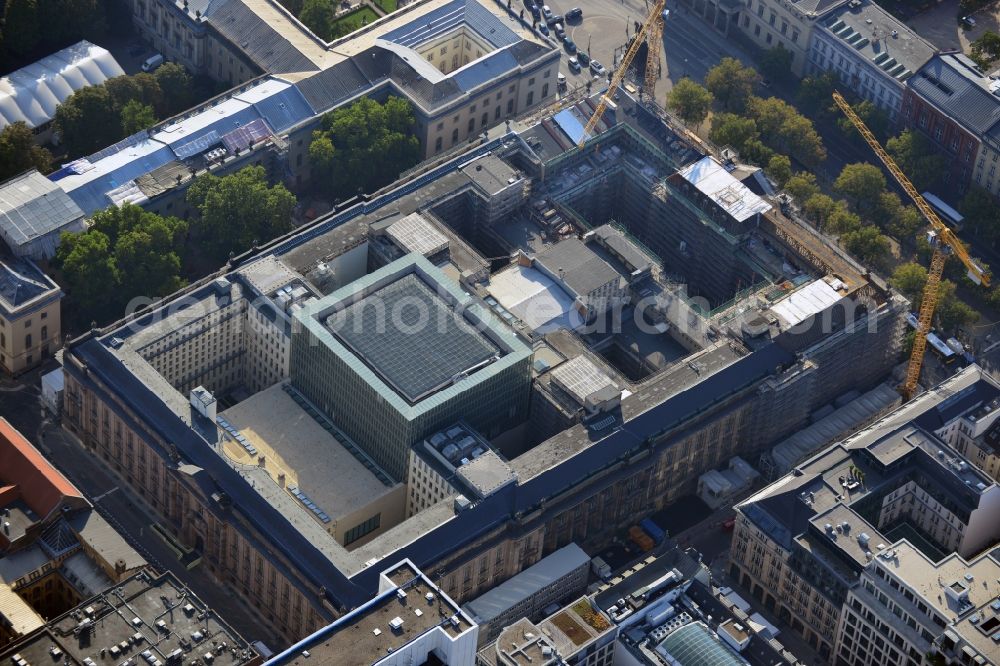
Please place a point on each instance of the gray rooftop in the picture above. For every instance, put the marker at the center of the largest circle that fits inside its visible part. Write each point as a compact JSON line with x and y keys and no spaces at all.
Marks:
{"x":623,"y":248}
{"x":958,"y":88}
{"x":884,"y":40}
{"x":124,"y":620}
{"x":695,"y":644}
{"x":32,"y":206}
{"x":579,"y":267}
{"x":411,"y":337}
{"x":561,"y":563}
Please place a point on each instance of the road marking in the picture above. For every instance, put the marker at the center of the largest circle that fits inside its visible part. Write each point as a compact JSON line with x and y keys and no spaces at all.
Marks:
{"x":991,"y":347}
{"x":103,"y":495}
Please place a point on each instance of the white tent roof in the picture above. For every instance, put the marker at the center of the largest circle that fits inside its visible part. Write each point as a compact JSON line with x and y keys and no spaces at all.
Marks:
{"x":32,"y":93}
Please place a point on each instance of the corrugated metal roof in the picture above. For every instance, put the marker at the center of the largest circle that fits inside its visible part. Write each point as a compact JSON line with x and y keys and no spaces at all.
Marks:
{"x":325,"y":90}
{"x":485,"y":70}
{"x":954,"y":86}
{"x":282,"y":108}
{"x":255,"y":37}
{"x":32,"y":206}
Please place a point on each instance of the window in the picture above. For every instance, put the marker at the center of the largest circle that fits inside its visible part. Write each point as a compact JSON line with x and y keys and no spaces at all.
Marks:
{"x":756,"y":30}
{"x":440,"y":126}
{"x":3,"y":340}
{"x":485,"y":119}
{"x":772,"y":18}
{"x":784,"y":27}
{"x":27,"y":323}
{"x":45,"y":315}
{"x":795,"y":35}
{"x":45,"y":333}
{"x":768,"y":40}
{"x":760,"y":11}
{"x":472,"y":125}
{"x":510,"y":106}
{"x":531,"y":97}
{"x":454,"y":136}
{"x":545,"y":90}
{"x":437,"y":145}
{"x":27,"y":341}
{"x":531,"y":81}
{"x":364,"y":528}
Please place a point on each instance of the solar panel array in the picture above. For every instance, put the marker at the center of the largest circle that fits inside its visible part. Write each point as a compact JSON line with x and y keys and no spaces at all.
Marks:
{"x":302,"y":497}
{"x":246,"y":136}
{"x":411,"y":337}
{"x":235,"y":434}
{"x":198,"y":146}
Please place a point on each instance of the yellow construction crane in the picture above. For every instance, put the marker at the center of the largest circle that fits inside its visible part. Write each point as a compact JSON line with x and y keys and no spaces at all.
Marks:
{"x":942,"y":239}
{"x":652,"y":32}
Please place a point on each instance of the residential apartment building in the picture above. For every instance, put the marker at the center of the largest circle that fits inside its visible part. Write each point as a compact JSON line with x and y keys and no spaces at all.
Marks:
{"x":802,"y":544}
{"x":953,"y":103}
{"x":870,"y":51}
{"x":788,"y":24}
{"x":30,"y":315}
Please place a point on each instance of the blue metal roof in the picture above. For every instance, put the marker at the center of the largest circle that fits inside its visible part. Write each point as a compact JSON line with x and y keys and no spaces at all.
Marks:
{"x":488,"y":25}
{"x":570,"y":124}
{"x":197,"y":146}
{"x":285,"y":109}
{"x":486,"y":70}
{"x":223,"y":125}
{"x":92,"y":196}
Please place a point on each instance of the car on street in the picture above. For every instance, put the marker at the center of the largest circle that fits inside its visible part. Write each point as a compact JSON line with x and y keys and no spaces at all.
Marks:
{"x":546,"y":11}
{"x":570,"y":46}
{"x":557,"y":29}
{"x":542,"y":28}
{"x":552,"y":20}
{"x":597,"y":68}
{"x":574,"y":64}
{"x":584,"y":58}
{"x":561,"y":80}
{"x":969,"y":21}
{"x":574,"y":14}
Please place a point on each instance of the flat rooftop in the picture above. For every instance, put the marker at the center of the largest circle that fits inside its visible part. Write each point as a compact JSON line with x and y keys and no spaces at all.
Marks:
{"x":411,"y":337}
{"x":143,"y":615}
{"x":884,"y":40}
{"x":365,"y":637}
{"x":312,"y":459}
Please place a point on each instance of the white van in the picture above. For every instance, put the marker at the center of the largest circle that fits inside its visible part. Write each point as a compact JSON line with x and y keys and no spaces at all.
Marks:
{"x":152,"y":62}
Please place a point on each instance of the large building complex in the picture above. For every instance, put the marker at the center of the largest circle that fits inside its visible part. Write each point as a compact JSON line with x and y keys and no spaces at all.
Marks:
{"x":894,"y":498}
{"x":732,"y":324}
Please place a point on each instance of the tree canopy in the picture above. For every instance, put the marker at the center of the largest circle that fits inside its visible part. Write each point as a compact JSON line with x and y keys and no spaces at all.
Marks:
{"x":863,"y":184}
{"x":785,"y":130}
{"x":918,"y":159}
{"x":776,"y":64}
{"x":731,"y":84}
{"x":36,"y":28}
{"x":363,"y":147}
{"x":177,"y":88}
{"x":137,"y":116}
{"x":18,"y":151}
{"x":867,"y":244}
{"x":690,"y":101}
{"x":236,"y":210}
{"x":802,"y":185}
{"x":127,"y":252}
{"x":909,"y":279}
{"x":317,"y":15}
{"x":814,"y":94}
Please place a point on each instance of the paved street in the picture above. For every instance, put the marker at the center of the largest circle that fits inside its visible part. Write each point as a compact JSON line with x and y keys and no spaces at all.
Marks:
{"x":19,"y":403}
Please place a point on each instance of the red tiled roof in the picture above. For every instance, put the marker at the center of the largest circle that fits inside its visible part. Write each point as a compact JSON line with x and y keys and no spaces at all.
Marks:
{"x":42,"y":487}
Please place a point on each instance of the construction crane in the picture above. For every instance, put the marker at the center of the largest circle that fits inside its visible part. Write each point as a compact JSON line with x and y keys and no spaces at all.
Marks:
{"x":942,"y":239}
{"x":652,"y":32}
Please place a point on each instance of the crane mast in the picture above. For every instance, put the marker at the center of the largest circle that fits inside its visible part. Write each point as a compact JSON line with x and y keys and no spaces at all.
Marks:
{"x":650,"y":31}
{"x":942,"y":239}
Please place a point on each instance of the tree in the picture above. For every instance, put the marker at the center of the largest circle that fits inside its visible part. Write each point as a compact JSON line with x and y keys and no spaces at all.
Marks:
{"x":148,"y":256}
{"x":776,"y":64}
{"x":814,"y":95}
{"x":843,"y":221}
{"x":901,"y":221}
{"x":87,"y":121}
{"x":729,"y":129}
{"x":177,"y":86}
{"x":786,"y":131}
{"x":293,"y":6}
{"x":863,"y":185}
{"x":690,"y":101}
{"x":89,"y":273}
{"x":137,"y":116}
{"x":918,"y":159}
{"x":237,"y":210}
{"x":731,"y":83}
{"x":22,"y":29}
{"x":867,"y":244}
{"x":802,"y":185}
{"x":986,"y":49}
{"x":779,"y":168}
{"x":951,"y":312}
{"x":872,"y":116}
{"x":317,"y":15}
{"x":372,"y":143}
{"x":818,"y":208}
{"x":982,"y":215}
{"x":909,"y":279}
{"x":19,"y":152}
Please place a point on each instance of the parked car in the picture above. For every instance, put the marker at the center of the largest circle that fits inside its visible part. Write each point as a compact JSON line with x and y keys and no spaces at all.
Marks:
{"x":574,"y":14}
{"x":969,"y":21}
{"x":536,"y":13}
{"x":552,"y":20}
{"x":558,"y":30}
{"x":570,"y":46}
{"x":561,"y":79}
{"x":152,"y":62}
{"x":546,"y":11}
{"x":597,"y":68}
{"x":542,"y":28}
{"x":574,"y":64}
{"x":584,"y":58}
